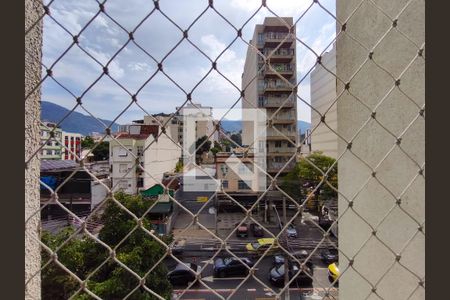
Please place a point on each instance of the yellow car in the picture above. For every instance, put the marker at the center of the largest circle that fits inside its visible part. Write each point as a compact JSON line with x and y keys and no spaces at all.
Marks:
{"x":261,"y":245}
{"x":333,"y":271}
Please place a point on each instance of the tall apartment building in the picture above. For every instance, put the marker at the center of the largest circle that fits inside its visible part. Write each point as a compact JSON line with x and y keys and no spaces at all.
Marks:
{"x":52,"y":148}
{"x":265,"y":89}
{"x":160,"y":156}
{"x":73,"y":142}
{"x":323,"y":93}
{"x":204,"y":123}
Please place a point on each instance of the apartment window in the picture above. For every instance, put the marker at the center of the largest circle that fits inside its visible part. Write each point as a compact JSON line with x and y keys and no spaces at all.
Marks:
{"x":278,"y":159}
{"x":140,"y":182}
{"x":260,"y":38}
{"x":261,"y":145}
{"x":140,"y":150}
{"x":242,"y":185}
{"x":123,"y":168}
{"x":225,"y":184}
{"x":261,"y":100}
{"x":122,"y":152}
{"x":224,"y":169}
{"x":260,"y":83}
{"x":277,"y":144}
{"x":243,"y":169}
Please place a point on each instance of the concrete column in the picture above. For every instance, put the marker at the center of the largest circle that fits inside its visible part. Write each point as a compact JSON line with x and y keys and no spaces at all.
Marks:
{"x":374,"y":202}
{"x":33,"y":46}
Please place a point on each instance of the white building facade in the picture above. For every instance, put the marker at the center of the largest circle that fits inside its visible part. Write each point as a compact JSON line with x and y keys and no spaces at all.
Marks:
{"x":323,"y":94}
{"x":72,"y":142}
{"x":160,"y":156}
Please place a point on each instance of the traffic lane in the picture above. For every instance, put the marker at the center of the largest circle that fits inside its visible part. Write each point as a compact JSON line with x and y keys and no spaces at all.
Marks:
{"x":320,"y":277}
{"x":257,"y":294}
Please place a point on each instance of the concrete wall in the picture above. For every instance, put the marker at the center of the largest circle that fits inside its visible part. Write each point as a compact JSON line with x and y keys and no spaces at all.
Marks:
{"x":33,"y":44}
{"x":323,"y":94}
{"x":374,"y":202}
{"x":162,"y":156}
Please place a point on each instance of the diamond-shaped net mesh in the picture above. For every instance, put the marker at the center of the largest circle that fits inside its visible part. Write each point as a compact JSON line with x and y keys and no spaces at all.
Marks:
{"x":116,"y":249}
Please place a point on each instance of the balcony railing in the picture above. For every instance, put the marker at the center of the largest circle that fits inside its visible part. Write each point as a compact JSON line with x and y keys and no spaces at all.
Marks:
{"x":271,"y":132}
{"x":277,"y":166}
{"x":275,"y":102}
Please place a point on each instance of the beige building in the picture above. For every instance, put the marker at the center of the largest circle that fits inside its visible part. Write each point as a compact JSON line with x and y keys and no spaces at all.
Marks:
{"x":323,"y":94}
{"x":270,"y":92}
{"x":160,"y":156}
{"x":234,"y":172}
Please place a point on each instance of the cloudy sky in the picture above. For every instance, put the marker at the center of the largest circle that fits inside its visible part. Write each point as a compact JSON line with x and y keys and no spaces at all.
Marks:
{"x":132,"y":67}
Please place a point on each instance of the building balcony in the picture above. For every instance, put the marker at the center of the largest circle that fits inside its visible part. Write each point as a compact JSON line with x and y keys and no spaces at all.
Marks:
{"x":272,"y":134}
{"x":283,"y":151}
{"x":278,"y":166}
{"x":273,"y":39}
{"x":285,"y":70}
{"x":280,"y":87}
{"x":273,"y":102}
{"x":280,"y":55}
{"x":282,"y":118}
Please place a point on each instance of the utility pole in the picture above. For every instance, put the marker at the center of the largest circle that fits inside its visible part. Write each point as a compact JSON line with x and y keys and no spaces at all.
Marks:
{"x":286,"y":257}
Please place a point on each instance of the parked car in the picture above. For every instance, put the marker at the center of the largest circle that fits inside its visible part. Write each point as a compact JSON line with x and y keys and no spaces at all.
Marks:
{"x":333,"y":271}
{"x":291,"y":231}
{"x":261,"y":245}
{"x":178,"y":247}
{"x":329,"y":256}
{"x":256,"y":230}
{"x":276,"y":274}
{"x":182,"y":274}
{"x":242,"y":231}
{"x":325,"y":222}
{"x":300,"y":255}
{"x":224,"y":267}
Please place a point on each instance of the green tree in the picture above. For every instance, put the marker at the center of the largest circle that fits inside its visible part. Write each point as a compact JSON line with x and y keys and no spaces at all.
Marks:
{"x":217,"y":148}
{"x":305,"y":176}
{"x":87,"y":143}
{"x":101,"y":152}
{"x":202,"y":145}
{"x":179,"y":166}
{"x":237,"y":138}
{"x":139,"y":252}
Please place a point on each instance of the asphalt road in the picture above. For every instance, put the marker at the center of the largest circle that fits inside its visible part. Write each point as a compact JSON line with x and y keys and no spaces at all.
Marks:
{"x":251,"y":288}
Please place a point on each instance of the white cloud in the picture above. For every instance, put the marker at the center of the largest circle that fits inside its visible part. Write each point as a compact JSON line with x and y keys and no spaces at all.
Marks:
{"x":318,"y":44}
{"x":138,"y":66}
{"x":284,"y":7}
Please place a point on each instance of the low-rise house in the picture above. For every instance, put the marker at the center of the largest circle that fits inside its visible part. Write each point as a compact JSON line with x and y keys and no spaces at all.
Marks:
{"x":235,"y":172}
{"x":77,"y":190}
{"x":127,"y":158}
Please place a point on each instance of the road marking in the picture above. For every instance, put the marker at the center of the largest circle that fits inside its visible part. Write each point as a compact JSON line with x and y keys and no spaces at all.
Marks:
{"x":212,"y":278}
{"x":204,"y":291}
{"x":207,"y":262}
{"x":251,"y":290}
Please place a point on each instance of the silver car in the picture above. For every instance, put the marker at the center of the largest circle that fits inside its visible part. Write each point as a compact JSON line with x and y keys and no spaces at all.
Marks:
{"x":291,"y":231}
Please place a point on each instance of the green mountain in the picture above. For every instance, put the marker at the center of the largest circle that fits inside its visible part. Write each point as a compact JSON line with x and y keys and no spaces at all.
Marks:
{"x":75,"y":122}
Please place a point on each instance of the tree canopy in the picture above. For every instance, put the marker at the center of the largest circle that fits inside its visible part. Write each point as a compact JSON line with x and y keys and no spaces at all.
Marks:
{"x":82,"y":255}
{"x":306,"y":176}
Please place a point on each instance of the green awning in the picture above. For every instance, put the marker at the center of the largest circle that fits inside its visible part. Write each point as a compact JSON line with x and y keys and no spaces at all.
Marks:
{"x":161,"y":208}
{"x":154,"y":191}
